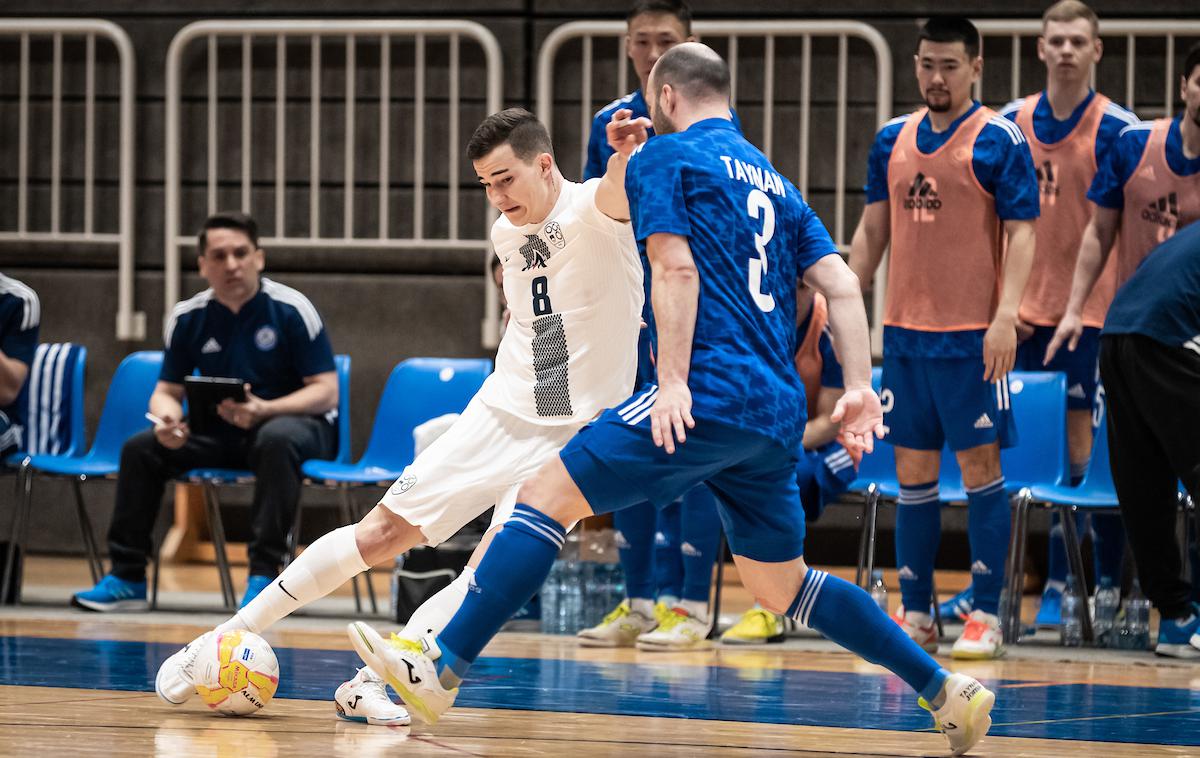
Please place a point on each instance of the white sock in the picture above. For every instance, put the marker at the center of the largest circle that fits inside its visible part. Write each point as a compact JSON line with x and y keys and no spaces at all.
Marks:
{"x":327,"y":564}
{"x":643,"y":606}
{"x":436,"y":612}
{"x":668,"y":600}
{"x":697,"y":609}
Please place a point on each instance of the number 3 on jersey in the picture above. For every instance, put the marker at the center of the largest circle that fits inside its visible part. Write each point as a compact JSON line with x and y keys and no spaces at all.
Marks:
{"x":758,"y":205}
{"x":541,"y":296}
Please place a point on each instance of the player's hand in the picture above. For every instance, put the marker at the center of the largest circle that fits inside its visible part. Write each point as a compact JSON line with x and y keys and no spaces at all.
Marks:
{"x":999,"y":348}
{"x":1069,"y":330}
{"x":625,"y":134}
{"x":1024,"y":331}
{"x":245,"y":415}
{"x":860,"y":416}
{"x":671,"y":416}
{"x":172,"y":433}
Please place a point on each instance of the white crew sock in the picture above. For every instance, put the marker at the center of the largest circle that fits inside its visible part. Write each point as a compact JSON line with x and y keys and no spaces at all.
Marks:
{"x":697,"y":609}
{"x":327,"y":564}
{"x":433,"y":615}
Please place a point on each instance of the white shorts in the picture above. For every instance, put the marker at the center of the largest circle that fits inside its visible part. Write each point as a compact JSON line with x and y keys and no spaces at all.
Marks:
{"x":479,"y":462}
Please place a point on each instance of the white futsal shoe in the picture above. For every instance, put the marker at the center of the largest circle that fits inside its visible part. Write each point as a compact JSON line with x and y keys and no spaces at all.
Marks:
{"x":175,"y":682}
{"x":981,"y":639}
{"x":407,"y":666}
{"x":678,"y":631}
{"x":965,"y":717}
{"x":364,"y":699}
{"x":920,"y":627}
{"x":620,"y":628}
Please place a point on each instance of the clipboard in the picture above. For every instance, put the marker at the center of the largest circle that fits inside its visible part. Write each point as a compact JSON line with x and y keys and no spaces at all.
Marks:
{"x":204,"y":394}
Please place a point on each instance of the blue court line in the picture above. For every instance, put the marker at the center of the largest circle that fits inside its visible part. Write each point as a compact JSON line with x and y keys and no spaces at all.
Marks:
{"x":1106,"y":713}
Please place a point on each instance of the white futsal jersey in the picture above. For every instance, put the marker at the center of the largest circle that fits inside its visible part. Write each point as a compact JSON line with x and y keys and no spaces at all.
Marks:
{"x":574,"y":289}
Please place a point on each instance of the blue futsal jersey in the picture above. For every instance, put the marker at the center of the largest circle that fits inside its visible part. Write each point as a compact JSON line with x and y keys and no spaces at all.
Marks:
{"x":752,"y":236}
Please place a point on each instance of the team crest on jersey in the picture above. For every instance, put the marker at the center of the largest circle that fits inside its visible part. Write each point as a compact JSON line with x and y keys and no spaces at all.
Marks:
{"x":404,"y":484}
{"x":554,"y":233}
{"x":265,"y":338}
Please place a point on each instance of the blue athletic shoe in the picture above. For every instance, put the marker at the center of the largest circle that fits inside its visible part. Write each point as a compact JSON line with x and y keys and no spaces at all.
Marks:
{"x":255,"y":584}
{"x":113,"y":594}
{"x":1177,"y":638}
{"x":1049,"y":615}
{"x":959,"y":606}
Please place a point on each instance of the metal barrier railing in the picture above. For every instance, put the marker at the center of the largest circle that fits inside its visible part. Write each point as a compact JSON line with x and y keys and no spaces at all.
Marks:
{"x":351,"y":32}
{"x":131,"y":325}
{"x":769,"y":31}
{"x":1130,"y":29}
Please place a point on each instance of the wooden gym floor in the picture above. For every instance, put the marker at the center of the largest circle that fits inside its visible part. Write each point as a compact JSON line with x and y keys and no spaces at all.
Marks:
{"x":82,"y":683}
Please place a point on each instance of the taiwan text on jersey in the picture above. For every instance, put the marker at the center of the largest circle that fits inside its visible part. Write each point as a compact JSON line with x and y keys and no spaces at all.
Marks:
{"x":574,"y":289}
{"x":751,"y":236}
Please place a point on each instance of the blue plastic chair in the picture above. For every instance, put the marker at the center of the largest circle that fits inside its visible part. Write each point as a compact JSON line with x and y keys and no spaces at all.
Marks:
{"x":211,"y":478}
{"x":53,"y":425}
{"x":122,"y":417}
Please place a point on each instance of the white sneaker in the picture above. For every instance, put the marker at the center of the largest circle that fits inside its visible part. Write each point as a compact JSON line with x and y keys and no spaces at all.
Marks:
{"x":620,"y":628}
{"x":678,"y":631}
{"x":918,"y":626}
{"x":408,"y":667}
{"x":981,"y":638}
{"x":965,"y":717}
{"x":364,"y":699}
{"x":175,"y":682}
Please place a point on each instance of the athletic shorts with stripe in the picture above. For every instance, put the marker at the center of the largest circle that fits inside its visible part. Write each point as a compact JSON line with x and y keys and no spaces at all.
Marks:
{"x":1081,"y":365}
{"x":615,"y":464}
{"x":479,"y":462}
{"x":931,"y":402}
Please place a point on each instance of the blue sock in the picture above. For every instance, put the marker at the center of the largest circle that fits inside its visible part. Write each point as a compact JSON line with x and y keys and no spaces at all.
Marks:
{"x":700,"y":536}
{"x":635,"y":543}
{"x":512,"y":569}
{"x":989,"y":525}
{"x":918,"y":532}
{"x":846,"y":615}
{"x":1108,"y":547}
{"x":1056,"y":564}
{"x":668,"y":563}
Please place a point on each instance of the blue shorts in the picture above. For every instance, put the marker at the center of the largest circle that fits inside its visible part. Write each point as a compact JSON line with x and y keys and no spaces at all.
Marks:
{"x":822,"y":476}
{"x":1082,"y":366}
{"x":615,"y":464}
{"x":931,"y":402}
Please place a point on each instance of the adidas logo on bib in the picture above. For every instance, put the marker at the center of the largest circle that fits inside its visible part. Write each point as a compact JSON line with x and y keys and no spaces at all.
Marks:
{"x":983,"y":422}
{"x":212,"y":346}
{"x":1076,"y":390}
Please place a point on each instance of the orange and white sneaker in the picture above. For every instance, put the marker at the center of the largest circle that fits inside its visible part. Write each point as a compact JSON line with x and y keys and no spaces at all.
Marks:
{"x":919,"y":627}
{"x":981,"y":639}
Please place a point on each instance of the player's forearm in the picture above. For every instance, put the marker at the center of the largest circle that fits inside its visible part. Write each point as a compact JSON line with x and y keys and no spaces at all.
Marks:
{"x":610,"y":195}
{"x":312,"y":399}
{"x":1093,"y":254}
{"x":166,"y":402}
{"x":12,"y":377}
{"x":851,"y":337}
{"x":1018,"y":262}
{"x":818,"y":432}
{"x":676,"y":293}
{"x":869,"y":242}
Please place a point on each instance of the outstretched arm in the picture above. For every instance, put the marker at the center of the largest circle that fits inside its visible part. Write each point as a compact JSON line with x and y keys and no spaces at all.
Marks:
{"x":624,"y":135}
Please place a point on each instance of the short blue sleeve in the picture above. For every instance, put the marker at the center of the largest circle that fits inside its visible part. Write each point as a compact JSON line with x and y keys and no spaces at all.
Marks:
{"x":1004,"y":167}
{"x":813,"y":240}
{"x":20,"y":330}
{"x":310,"y":356}
{"x":877,"y":160}
{"x":598,"y":151}
{"x":1114,"y":120}
{"x":1108,"y":187}
{"x":177,"y":352}
{"x":654,"y":185}
{"x":831,"y":370}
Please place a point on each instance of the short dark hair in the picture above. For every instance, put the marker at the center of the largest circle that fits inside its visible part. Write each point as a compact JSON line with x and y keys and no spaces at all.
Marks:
{"x":677,"y":8}
{"x":228,"y":220}
{"x":951,"y":29}
{"x":516,"y":126}
{"x":692,"y":72}
{"x":1191,"y":61}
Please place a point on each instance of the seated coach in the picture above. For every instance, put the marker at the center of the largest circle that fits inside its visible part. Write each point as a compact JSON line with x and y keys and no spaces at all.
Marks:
{"x":243,"y":326}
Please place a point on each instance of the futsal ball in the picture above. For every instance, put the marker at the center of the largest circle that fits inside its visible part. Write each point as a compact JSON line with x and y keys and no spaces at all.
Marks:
{"x":236,"y":673}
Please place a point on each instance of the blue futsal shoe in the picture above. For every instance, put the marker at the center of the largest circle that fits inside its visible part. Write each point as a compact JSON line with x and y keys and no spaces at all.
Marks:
{"x":1049,"y":615}
{"x":959,"y":606}
{"x":113,"y":594}
{"x":255,"y":584}
{"x":1178,"y":638}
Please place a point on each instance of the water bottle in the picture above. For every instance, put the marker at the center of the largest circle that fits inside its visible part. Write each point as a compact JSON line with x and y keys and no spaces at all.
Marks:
{"x":549,"y":595}
{"x":1072,"y":628}
{"x":879,"y":591}
{"x":1104,"y":624}
{"x":1137,"y":616}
